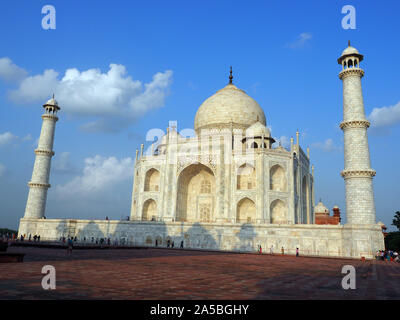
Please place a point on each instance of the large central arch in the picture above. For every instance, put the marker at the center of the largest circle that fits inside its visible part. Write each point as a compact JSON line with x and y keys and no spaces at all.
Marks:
{"x":196,"y":194}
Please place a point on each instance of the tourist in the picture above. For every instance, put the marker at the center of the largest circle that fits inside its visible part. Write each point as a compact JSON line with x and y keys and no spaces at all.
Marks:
{"x":297,"y":252}
{"x":30,"y":237}
{"x":38,"y":238}
{"x":283,"y":251}
{"x":168,"y":242}
{"x":70,"y":245}
{"x":271,"y":250}
{"x":182,"y":244}
{"x":172,"y":245}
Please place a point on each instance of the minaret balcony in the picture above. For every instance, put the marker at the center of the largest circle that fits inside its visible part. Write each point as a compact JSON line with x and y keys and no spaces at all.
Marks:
{"x":351,"y":71}
{"x":355,"y":124}
{"x":349,"y":173}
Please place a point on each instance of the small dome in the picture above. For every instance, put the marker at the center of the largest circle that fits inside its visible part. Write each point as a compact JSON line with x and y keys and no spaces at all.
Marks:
{"x":350,"y":50}
{"x":52,"y":102}
{"x":228,"y":107}
{"x":257,"y":130}
{"x":320,"y":208}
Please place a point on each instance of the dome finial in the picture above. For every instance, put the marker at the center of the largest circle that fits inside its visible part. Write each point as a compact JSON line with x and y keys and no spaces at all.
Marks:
{"x":230,"y":76}
{"x":349,"y":43}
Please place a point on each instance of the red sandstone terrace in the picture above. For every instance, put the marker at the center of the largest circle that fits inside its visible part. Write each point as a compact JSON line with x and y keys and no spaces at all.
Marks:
{"x":185,"y":274}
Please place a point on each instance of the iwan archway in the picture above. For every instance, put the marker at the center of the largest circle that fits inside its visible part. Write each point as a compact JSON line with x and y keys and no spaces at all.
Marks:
{"x":196,"y":194}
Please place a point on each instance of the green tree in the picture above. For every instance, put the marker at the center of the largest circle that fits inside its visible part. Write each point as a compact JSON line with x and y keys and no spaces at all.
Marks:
{"x":396,"y":220}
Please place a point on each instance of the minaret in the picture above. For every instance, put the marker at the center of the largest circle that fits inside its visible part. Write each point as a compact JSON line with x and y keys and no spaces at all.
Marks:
{"x":36,"y":204}
{"x":357,"y":173}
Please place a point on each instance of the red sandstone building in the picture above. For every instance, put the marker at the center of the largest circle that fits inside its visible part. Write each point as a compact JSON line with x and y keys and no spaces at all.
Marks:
{"x":322,"y":214}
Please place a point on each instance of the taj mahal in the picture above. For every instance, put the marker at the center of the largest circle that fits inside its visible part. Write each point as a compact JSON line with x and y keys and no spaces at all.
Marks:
{"x":230,"y":186}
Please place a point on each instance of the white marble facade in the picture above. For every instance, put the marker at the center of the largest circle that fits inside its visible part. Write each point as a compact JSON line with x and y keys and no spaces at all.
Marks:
{"x":228,"y":173}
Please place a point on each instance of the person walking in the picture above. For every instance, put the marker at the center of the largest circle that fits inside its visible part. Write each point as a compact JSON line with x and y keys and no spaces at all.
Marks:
{"x":297,"y":252}
{"x":271,"y":250}
{"x":182,"y":244}
{"x":283,"y":251}
{"x":70,"y":246}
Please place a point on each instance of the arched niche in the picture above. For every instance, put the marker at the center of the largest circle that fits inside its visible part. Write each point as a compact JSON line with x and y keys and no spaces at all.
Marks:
{"x":278,"y":210}
{"x":152,"y":180}
{"x":278,"y":178}
{"x":246,"y":177}
{"x":149,"y":210}
{"x":246,"y":211}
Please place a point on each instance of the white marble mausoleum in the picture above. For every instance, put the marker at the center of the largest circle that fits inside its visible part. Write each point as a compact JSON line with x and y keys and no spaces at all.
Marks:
{"x":229,"y":186}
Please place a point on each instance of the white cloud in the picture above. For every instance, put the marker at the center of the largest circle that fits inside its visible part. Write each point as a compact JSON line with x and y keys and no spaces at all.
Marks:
{"x":283,"y":140}
{"x":112,"y":98}
{"x":99,"y":174}
{"x":2,"y":169}
{"x":62,"y":163}
{"x":301,"y":40}
{"x":327,"y":146}
{"x":385,"y":116}
{"x":28,"y":137}
{"x":10,"y":72}
{"x":6,"y":138}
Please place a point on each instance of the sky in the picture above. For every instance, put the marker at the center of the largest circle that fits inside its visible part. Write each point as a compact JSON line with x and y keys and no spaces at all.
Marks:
{"x":121,"y":68}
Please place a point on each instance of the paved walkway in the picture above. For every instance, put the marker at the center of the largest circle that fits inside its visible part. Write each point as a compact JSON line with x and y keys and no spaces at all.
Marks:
{"x":181,"y":274}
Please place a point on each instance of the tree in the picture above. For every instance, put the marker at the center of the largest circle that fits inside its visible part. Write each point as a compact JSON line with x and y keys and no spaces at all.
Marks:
{"x":396,"y":220}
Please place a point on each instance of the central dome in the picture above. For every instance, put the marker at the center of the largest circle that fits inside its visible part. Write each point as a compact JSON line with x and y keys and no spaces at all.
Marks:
{"x":228,"y":106}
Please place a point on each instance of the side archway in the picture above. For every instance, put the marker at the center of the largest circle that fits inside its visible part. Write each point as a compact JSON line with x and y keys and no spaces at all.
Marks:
{"x":149,"y":210}
{"x":278,"y":178}
{"x":246,"y":177}
{"x":246,"y":211}
{"x":278,"y":211}
{"x":152,"y":180}
{"x":305,"y":200}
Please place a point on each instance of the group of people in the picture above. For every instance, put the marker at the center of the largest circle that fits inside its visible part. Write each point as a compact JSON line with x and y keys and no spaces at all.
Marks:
{"x":170,"y":244}
{"x":7,"y":236}
{"x":30,"y":238}
{"x":101,"y":241}
{"x":387,"y":255}
{"x":271,"y":250}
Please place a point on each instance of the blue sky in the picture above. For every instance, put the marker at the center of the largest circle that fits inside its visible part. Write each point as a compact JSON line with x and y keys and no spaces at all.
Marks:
{"x":163,"y":59}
